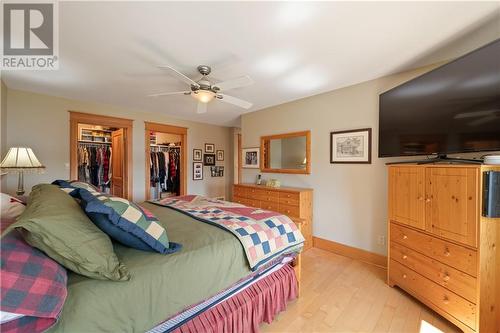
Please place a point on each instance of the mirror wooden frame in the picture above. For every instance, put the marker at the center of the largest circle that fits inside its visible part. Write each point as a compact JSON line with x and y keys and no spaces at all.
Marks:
{"x":307,"y":169}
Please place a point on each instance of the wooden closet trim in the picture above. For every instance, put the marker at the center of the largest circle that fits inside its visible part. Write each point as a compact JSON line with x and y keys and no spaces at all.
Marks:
{"x":76,"y":118}
{"x":165,"y":128}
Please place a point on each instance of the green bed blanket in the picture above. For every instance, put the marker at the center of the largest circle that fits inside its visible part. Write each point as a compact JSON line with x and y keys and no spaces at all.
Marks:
{"x":210,"y":260}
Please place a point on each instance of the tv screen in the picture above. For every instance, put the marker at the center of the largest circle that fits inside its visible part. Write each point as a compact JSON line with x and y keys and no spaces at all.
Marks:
{"x":452,"y":109}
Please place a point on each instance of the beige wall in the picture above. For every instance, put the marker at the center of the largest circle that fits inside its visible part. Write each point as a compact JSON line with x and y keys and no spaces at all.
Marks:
{"x":3,"y":129}
{"x":42,"y":122}
{"x":349,"y":200}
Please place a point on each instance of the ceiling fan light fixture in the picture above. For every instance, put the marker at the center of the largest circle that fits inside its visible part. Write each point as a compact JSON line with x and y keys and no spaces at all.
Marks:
{"x":203,"y":96}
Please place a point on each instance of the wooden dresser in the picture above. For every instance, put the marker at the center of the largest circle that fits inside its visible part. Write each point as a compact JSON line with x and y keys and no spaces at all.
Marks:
{"x":293,"y":202}
{"x":441,"y":250}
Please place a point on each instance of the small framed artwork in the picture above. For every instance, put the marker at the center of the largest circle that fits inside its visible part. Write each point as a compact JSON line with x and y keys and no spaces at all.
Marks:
{"x":197,"y":171}
{"x":209,"y":159}
{"x":217,"y":171}
{"x":197,"y":155}
{"x":209,"y":148}
{"x":353,"y":146}
{"x":220,"y":155}
{"x":251,"y":158}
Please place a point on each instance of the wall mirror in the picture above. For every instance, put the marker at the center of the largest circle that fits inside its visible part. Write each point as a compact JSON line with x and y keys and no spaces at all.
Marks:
{"x":286,"y":153}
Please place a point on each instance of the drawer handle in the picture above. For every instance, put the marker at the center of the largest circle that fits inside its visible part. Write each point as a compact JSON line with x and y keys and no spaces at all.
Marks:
{"x":446,"y":300}
{"x":420,"y":198}
{"x":288,"y":196}
{"x":405,"y":256}
{"x":404,"y":276}
{"x":446,"y":277}
{"x":288,"y":211}
{"x":428,"y":200}
{"x":446,"y":252}
{"x":405,"y":237}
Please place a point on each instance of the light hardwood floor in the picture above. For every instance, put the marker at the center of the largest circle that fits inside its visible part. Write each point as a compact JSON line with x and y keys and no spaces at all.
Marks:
{"x":339,"y":294}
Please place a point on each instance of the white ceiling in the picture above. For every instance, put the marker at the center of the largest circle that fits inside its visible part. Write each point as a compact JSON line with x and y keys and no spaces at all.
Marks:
{"x":109,"y":50}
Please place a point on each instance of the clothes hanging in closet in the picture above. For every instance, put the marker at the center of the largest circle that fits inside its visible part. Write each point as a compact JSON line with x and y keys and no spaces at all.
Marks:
{"x":164,"y":170}
{"x":94,"y":165}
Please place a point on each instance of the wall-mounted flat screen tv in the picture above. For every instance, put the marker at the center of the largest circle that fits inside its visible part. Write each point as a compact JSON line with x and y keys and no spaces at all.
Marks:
{"x":452,"y":109}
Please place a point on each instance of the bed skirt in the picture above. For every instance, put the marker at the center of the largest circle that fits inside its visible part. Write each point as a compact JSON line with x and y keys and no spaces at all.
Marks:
{"x":245,"y":311}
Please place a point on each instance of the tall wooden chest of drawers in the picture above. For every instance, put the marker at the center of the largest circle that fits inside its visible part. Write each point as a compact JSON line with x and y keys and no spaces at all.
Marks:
{"x":441,"y":250}
{"x":293,"y":202}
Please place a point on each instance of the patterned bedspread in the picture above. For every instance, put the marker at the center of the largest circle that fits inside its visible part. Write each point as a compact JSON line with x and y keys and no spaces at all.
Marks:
{"x":262,"y":233}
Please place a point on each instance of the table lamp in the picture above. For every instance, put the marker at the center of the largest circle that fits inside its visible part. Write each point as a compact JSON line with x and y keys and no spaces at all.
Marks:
{"x":20,"y":160}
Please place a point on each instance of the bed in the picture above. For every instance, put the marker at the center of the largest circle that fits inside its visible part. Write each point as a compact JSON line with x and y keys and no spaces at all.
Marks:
{"x":210,"y":269}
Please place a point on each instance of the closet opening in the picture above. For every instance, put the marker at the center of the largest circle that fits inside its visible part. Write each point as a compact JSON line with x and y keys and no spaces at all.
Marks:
{"x":166,"y":172}
{"x":101,"y":151}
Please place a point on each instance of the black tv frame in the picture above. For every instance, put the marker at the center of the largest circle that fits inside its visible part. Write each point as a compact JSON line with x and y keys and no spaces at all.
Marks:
{"x":438,"y":157}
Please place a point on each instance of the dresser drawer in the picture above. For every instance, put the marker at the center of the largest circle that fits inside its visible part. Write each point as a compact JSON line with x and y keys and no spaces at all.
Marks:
{"x":239,"y":200}
{"x":272,"y":206}
{"x":247,"y":202}
{"x":456,"y":256}
{"x":240,"y":191}
{"x":252,"y":193}
{"x":289,"y":210}
{"x":289,"y":198}
{"x":442,"y":298}
{"x":266,"y":195}
{"x":462,"y":284}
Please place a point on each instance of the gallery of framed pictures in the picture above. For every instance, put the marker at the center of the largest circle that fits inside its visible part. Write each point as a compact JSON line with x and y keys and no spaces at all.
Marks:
{"x":351,"y":146}
{"x":250,"y":158}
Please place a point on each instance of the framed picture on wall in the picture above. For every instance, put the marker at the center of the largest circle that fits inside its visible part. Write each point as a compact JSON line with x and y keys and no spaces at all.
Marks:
{"x":209,"y":159}
{"x":197,"y":171}
{"x":352,"y":146}
{"x":220,"y":155}
{"x":250,"y":158}
{"x":217,"y":171}
{"x":209,"y":148}
{"x":197,"y":155}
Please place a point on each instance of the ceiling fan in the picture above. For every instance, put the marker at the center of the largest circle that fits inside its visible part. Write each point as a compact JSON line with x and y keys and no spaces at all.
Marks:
{"x":205,"y":91}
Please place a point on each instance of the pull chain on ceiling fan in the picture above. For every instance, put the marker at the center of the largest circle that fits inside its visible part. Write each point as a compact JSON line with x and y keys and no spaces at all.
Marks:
{"x":204,"y":91}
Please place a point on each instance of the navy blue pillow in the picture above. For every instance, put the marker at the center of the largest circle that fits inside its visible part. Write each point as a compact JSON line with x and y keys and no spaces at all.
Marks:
{"x":67,"y":187}
{"x":126,"y":222}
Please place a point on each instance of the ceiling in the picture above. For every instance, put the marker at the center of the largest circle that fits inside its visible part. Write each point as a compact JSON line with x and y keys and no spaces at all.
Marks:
{"x":109,"y":50}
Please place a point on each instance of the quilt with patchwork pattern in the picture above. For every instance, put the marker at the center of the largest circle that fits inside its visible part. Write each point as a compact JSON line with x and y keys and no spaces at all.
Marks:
{"x":263,"y":234}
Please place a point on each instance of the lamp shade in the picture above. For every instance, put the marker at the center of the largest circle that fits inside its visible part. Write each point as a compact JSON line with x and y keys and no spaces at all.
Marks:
{"x":203,"y":96}
{"x":20,"y":158}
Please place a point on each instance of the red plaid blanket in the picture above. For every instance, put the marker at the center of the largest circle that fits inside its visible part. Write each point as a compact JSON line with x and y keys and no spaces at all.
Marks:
{"x":32,"y":284}
{"x":262,"y":233}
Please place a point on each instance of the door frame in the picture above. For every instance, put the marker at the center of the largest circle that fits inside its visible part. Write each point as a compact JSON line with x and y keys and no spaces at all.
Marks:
{"x":76,"y":118}
{"x":171,"y":129}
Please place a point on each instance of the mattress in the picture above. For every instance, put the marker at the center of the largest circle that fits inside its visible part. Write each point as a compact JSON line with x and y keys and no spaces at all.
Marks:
{"x":161,"y":286}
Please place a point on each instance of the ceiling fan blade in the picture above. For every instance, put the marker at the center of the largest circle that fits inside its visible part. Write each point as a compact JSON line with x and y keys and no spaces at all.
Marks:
{"x":170,"y":93}
{"x":179,"y":75}
{"x":233,"y":100}
{"x":201,"y":108}
{"x":234,"y":83}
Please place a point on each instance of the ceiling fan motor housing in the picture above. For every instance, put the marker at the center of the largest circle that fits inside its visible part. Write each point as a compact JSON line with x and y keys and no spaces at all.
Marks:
{"x":204,"y":69}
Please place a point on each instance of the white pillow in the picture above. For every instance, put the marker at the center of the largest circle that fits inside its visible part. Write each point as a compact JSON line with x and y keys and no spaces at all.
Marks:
{"x":11,"y":207}
{"x":8,"y":316}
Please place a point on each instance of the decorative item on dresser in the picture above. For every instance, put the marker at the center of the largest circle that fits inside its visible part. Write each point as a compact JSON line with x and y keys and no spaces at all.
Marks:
{"x":296,"y":203}
{"x":441,"y":250}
